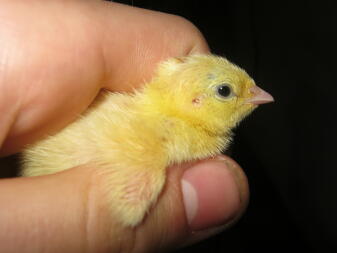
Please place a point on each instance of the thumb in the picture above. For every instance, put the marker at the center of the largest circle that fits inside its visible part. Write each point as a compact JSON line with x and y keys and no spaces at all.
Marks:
{"x":199,"y":200}
{"x":67,"y":212}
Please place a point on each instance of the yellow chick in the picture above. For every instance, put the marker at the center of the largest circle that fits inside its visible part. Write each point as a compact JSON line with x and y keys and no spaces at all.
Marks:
{"x":185,"y":113}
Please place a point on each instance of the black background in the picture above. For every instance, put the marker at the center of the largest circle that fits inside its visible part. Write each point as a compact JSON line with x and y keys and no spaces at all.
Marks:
{"x":287,"y":148}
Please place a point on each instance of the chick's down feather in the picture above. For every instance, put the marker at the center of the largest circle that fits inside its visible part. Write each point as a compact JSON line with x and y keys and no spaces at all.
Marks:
{"x":186,"y":112}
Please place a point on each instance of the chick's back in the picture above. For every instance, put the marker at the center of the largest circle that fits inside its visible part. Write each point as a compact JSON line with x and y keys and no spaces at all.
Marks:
{"x":112,"y":129}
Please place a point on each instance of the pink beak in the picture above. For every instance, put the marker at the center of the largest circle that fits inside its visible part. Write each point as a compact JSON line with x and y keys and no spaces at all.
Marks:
{"x":260,"y":96}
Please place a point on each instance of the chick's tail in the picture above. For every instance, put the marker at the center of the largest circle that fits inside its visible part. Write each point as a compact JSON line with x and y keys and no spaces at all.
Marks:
{"x":132,"y":191}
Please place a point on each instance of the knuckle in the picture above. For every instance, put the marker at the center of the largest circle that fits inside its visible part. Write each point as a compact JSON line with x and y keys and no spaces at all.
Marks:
{"x":195,"y":41}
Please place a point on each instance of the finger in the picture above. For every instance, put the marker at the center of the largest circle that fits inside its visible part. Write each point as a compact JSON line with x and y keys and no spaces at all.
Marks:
{"x":60,"y":53}
{"x":199,"y":200}
{"x":68,"y":211}
{"x":43,"y":214}
{"x":142,"y":38}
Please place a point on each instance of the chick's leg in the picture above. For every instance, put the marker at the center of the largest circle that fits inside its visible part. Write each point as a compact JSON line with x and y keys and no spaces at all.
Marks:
{"x":132,"y":191}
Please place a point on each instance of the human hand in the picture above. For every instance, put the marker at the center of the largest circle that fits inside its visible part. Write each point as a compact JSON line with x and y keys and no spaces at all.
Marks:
{"x":56,"y":56}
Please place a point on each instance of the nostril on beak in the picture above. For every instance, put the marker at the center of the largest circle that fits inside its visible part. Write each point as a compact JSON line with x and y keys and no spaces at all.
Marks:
{"x":259,"y":96}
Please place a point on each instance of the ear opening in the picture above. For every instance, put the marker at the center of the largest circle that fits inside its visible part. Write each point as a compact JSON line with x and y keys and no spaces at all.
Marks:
{"x":197,"y":101}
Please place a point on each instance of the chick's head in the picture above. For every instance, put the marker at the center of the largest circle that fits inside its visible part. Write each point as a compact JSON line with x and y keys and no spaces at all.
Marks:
{"x":206,"y":91}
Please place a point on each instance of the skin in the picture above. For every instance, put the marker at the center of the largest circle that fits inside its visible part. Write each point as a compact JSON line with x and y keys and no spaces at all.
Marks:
{"x":55,"y":57}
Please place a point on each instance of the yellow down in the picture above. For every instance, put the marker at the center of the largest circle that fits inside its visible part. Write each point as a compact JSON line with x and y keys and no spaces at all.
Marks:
{"x":185,"y":113}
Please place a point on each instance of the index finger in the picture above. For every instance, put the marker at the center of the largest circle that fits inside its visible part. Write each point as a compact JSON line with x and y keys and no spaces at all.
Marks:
{"x":60,"y":54}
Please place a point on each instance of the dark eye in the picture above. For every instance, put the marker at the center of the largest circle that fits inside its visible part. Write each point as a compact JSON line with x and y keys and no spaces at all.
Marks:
{"x":224,"y":90}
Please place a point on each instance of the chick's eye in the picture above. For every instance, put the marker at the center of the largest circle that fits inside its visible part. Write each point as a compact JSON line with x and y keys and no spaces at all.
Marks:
{"x":224,"y":90}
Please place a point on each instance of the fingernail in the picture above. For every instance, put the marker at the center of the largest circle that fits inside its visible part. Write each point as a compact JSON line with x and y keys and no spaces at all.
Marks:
{"x":211,"y":194}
